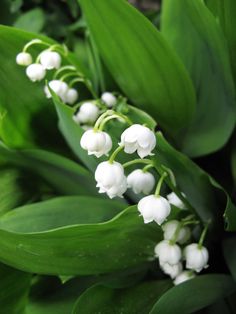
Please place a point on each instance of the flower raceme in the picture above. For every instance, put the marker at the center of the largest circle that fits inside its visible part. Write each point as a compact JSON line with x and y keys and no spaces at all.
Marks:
{"x":50,"y":60}
{"x":111,"y":179}
{"x":24,"y":58}
{"x":97,"y":143}
{"x":170,"y":229}
{"x":172,"y":270}
{"x":168,"y":253}
{"x":35,"y":72}
{"x":154,"y":208}
{"x":140,"y":181}
{"x":109,"y":99}
{"x":175,"y":200}
{"x":138,"y":138}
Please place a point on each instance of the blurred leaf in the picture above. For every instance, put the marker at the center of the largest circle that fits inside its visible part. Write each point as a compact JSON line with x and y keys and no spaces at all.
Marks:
{"x":225,"y":12}
{"x":194,"y":294}
{"x":203,"y":50}
{"x":33,"y":19}
{"x":60,"y":212}
{"x":14,"y":288}
{"x":138,"y":299}
{"x":141,"y":62}
{"x":230,"y":254}
{"x":123,"y":242}
{"x":64,"y":175}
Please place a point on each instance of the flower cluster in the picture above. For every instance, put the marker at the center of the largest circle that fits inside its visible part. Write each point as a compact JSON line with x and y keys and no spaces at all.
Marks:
{"x":93,"y":115}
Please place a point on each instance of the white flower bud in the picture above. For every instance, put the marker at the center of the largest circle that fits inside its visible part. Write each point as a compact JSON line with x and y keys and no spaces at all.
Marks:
{"x":169,"y":229}
{"x":172,"y":270}
{"x":35,"y":72}
{"x":109,"y":99}
{"x":184,"y":276}
{"x":168,"y":252}
{"x":60,"y":88}
{"x":88,"y":113}
{"x":154,"y":208}
{"x":196,"y":257}
{"x":50,"y":60}
{"x":24,"y":58}
{"x":71,"y":96}
{"x":97,"y":143}
{"x":175,"y":200}
{"x":111,"y":179}
{"x":138,"y":138}
{"x":140,"y":181}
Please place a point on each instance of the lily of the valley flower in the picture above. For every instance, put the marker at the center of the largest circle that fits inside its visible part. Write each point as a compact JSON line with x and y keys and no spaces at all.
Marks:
{"x":196,"y":257}
{"x":170,"y":228}
{"x":140,"y":181}
{"x":97,"y":143}
{"x":172,"y":270}
{"x":109,"y":99}
{"x":184,"y":276}
{"x":71,"y":96}
{"x":111,"y":179}
{"x":175,"y":200}
{"x":87,"y":113}
{"x":35,"y":72}
{"x":168,"y":253}
{"x":50,"y":60}
{"x":24,"y":58}
{"x":138,"y":138}
{"x":60,"y":88}
{"x":154,"y":208}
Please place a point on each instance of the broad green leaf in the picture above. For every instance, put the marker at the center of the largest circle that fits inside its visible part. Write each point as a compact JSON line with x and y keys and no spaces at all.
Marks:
{"x":123,"y":242}
{"x":15,"y":189}
{"x":60,"y":212}
{"x":14,"y":289}
{"x":33,"y":19}
{"x":138,"y":299}
{"x":225,"y":13}
{"x":230,"y":254}
{"x":193,"y":32}
{"x":64,"y":175}
{"x":141,"y":62}
{"x":194,"y":294}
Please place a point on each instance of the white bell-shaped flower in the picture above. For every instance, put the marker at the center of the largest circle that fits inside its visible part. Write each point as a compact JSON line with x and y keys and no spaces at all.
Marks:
{"x":35,"y":72}
{"x":154,"y":208}
{"x":184,"y":276}
{"x":111,"y":179}
{"x":196,"y":257}
{"x":71,"y":96}
{"x":172,"y":270}
{"x":138,"y":138}
{"x":109,"y":99}
{"x":87,"y":113}
{"x":97,"y":143}
{"x":24,"y":58}
{"x":140,"y":181}
{"x":50,"y":60}
{"x":168,"y":253}
{"x":175,"y":200}
{"x":170,"y":228}
{"x":59,"y":87}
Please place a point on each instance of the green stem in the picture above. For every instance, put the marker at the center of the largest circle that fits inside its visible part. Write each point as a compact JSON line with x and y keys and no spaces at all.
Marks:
{"x":101,"y":118}
{"x":176,"y":233}
{"x":203,"y":235}
{"x":115,"y":153}
{"x":137,"y":161}
{"x":114,"y":116}
{"x":146,"y":168}
{"x":35,"y":42}
{"x":159,"y":184}
{"x":68,"y":75}
{"x":64,"y":68}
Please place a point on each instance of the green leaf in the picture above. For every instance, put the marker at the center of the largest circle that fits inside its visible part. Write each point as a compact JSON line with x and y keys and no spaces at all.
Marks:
{"x":14,"y":288}
{"x":193,"y":32}
{"x":123,"y":242}
{"x":33,"y":19}
{"x":60,"y":212}
{"x":230,"y":254}
{"x":64,"y":175}
{"x":194,"y":294}
{"x":138,"y":299}
{"x":225,"y":13}
{"x":141,"y":62}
